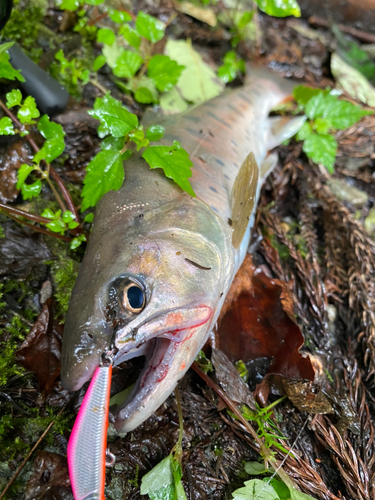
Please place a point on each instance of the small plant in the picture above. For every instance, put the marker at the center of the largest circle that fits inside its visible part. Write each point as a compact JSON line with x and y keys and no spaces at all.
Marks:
{"x":232,"y":67}
{"x":326,"y":113}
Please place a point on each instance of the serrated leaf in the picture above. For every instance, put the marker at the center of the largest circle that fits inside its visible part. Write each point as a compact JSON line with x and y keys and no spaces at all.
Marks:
{"x":174,"y":161}
{"x":321,"y":149}
{"x":54,"y":135}
{"x":6,"y":126}
{"x":22,"y":174}
{"x":127,"y":64}
{"x":104,"y":173}
{"x":322,"y":125}
{"x":71,"y":5}
{"x":155,"y":132}
{"x":255,"y":490}
{"x":119,"y":16}
{"x":112,"y":53}
{"x":6,"y":69}
{"x":131,"y":35}
{"x":114,"y":118}
{"x":14,"y":98}
{"x":303,"y":94}
{"x":304,"y":131}
{"x":149,"y":27}
{"x":164,"y":72}
{"x":158,"y":477}
{"x":198,"y":82}
{"x":279,"y":8}
{"x":105,"y":35}
{"x":31,"y":190}
{"x":28,"y":111}
{"x":77,"y":241}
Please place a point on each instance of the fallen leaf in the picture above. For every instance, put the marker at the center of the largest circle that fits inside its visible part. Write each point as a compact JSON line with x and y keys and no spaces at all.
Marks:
{"x":352,"y":81}
{"x":15,"y":155}
{"x":172,"y":102}
{"x":49,"y":478}
{"x":205,"y":15}
{"x":40,"y":352}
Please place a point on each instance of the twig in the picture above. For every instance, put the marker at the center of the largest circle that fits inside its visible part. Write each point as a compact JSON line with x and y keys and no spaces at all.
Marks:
{"x":16,"y":474}
{"x":40,"y":229}
{"x":361,"y":35}
{"x":22,"y":213}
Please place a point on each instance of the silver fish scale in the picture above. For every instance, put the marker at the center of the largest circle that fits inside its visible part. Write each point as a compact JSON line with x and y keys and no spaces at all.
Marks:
{"x":89,"y":443}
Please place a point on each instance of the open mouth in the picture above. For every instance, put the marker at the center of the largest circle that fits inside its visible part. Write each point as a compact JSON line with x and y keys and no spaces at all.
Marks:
{"x":169,"y":344}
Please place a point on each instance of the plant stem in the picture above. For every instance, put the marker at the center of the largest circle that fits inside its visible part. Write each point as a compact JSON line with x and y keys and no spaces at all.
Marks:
{"x":178,"y":446}
{"x":39,"y":230}
{"x":95,"y":82}
{"x":22,"y":213}
{"x":54,"y":191}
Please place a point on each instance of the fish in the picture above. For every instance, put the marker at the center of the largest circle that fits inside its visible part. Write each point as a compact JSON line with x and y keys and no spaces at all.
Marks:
{"x":160,"y":262}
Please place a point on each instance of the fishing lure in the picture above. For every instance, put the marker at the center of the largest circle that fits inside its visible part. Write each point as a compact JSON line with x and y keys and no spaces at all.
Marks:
{"x":87,"y":448}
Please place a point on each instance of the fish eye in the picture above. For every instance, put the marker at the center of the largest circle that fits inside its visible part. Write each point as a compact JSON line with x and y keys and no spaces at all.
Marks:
{"x":134,"y":298}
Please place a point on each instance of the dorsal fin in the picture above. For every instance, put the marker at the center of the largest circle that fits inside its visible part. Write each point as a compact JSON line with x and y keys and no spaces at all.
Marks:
{"x":243,"y":197}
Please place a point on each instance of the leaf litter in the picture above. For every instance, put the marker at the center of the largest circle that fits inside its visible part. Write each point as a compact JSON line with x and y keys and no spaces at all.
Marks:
{"x":315,"y":259}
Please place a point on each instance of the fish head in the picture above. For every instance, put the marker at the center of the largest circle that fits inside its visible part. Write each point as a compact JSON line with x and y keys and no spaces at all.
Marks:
{"x":153,"y":289}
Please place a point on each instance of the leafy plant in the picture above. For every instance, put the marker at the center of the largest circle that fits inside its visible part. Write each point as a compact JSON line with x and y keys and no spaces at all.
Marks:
{"x":326,"y":113}
{"x":232,"y":66}
{"x":268,"y":489}
{"x":279,"y":8}
{"x":6,"y":69}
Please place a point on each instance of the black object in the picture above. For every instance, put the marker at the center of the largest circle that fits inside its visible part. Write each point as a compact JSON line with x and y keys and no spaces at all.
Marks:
{"x":49,"y":95}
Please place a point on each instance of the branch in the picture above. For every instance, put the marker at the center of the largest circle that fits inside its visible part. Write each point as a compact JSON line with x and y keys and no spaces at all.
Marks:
{"x":39,"y":230}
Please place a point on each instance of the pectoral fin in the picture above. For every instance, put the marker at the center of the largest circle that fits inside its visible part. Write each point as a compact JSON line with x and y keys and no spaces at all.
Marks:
{"x":243,"y":198}
{"x":282,"y":128}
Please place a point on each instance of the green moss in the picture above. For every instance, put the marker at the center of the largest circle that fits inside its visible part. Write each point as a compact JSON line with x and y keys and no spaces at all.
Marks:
{"x":64,"y":275}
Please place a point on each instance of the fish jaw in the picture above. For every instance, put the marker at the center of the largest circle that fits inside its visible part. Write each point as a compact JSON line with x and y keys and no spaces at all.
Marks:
{"x":167,"y":362}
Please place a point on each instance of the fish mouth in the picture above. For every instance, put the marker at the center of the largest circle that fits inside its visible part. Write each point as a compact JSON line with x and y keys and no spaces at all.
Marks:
{"x":170,"y":342}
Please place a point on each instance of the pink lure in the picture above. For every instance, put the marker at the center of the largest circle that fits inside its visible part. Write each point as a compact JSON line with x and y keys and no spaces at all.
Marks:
{"x":88,"y":441}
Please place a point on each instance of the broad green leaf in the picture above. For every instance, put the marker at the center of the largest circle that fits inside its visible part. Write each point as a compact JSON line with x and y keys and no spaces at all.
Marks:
{"x":303,"y":94}
{"x":77,"y":241}
{"x":304,"y":131}
{"x":280,"y":487}
{"x":174,"y":161}
{"x":54,"y":135}
{"x":89,"y":218}
{"x":144,"y":96}
{"x":114,"y":118}
{"x":6,"y":69}
{"x":198,"y":82}
{"x":255,"y":489}
{"x":279,"y":8}
{"x":164,"y":493}
{"x":298,"y":495}
{"x":177,"y":475}
{"x":71,"y":5}
{"x":49,"y":214}
{"x":68,"y":216}
{"x":105,"y":35}
{"x":322,"y":125}
{"x":31,"y":190}
{"x":164,"y":72}
{"x":23,"y":174}
{"x":113,"y":143}
{"x":119,"y":16}
{"x":255,"y":468}
{"x":104,"y":173}
{"x":172,"y":102}
{"x":5,"y":46}
{"x":155,"y":132}
{"x":57,"y":226}
{"x":145,"y":90}
{"x":127,"y":64}
{"x":112,"y":53}
{"x":28,"y":111}
{"x":99,"y":63}
{"x":131,"y":35}
{"x":158,"y":477}
{"x":93,"y":2}
{"x":245,"y":19}
{"x":232,"y":65}
{"x":149,"y":27}
{"x":321,"y":149}
{"x":14,"y":98}
{"x":6,"y":126}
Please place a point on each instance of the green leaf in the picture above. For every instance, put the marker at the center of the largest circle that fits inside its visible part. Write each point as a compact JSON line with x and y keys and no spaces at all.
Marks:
{"x":155,"y":132}
{"x":255,"y":489}
{"x":5,"y":46}
{"x":144,"y":96}
{"x":198,"y":82}
{"x":280,"y":487}
{"x":174,"y":161}
{"x":245,"y":19}
{"x":164,"y":72}
{"x":119,"y":16}
{"x":28,"y":111}
{"x":104,"y":173}
{"x":57,"y":226}
{"x":304,"y":131}
{"x":114,"y":118}
{"x":14,"y":98}
{"x":127,"y":64}
{"x":22,"y":174}
{"x":93,"y":2}
{"x":99,"y":63}
{"x":149,"y":27}
{"x":77,"y":241}
{"x":54,"y":145}
{"x":105,"y":35}
{"x":321,"y":149}
{"x":298,"y":495}
{"x":113,"y":143}
{"x":31,"y":190}
{"x":279,"y":8}
{"x":6,"y":69}
{"x":172,"y":102}
{"x":71,"y":5}
{"x":158,"y":477}
{"x":138,"y":137}
{"x":322,"y":125}
{"x":145,"y":91}
{"x":68,"y":216}
{"x":49,"y":214}
{"x":112,"y":53}
{"x":131,"y":35}
{"x":303,"y":94}
{"x":6,"y":126}
{"x":255,"y":468}
{"x":89,"y":218}
{"x":232,"y":65}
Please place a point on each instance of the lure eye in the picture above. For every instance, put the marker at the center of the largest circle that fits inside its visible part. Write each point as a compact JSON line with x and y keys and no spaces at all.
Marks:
{"x":134,"y":298}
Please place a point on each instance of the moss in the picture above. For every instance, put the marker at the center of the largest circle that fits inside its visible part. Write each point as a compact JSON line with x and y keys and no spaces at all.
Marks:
{"x":64,"y":275}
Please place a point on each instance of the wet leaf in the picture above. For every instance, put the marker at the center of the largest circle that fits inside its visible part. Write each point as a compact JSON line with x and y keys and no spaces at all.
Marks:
{"x":155,"y":132}
{"x":30,"y":191}
{"x":131,"y":35}
{"x":255,"y":489}
{"x":146,"y":91}
{"x":174,"y":161}
{"x":119,"y":16}
{"x":49,"y":478}
{"x":6,"y":69}
{"x":279,"y":8}
{"x":99,"y":63}
{"x":6,"y":126}
{"x":149,"y":27}
{"x":105,"y":35}
{"x":40,"y":352}
{"x":321,"y":149}
{"x":114,"y":118}
{"x":280,"y":487}
{"x":14,"y":98}
{"x":28,"y":111}
{"x":303,"y":94}
{"x":127,"y":64}
{"x":164,"y":72}
{"x":159,"y":477}
{"x":232,"y":65}
{"x":23,"y":173}
{"x":54,"y":145}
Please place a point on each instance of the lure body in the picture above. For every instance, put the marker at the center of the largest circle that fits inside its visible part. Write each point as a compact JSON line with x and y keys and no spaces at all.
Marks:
{"x":88,"y":440}
{"x":182,"y":251}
